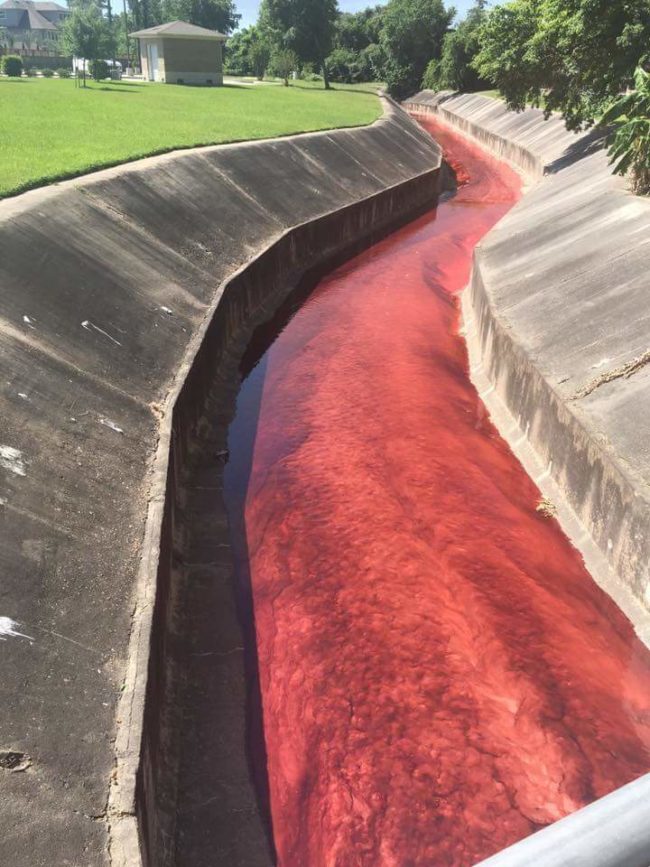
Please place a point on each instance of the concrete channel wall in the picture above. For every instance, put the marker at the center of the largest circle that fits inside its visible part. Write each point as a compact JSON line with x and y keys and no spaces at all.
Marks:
{"x":558,"y":315}
{"x":556,"y":318}
{"x":126,"y":298}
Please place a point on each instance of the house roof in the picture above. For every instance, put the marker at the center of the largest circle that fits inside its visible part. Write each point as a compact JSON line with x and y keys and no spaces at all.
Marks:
{"x":38,"y":22}
{"x":47,"y":6}
{"x":35,"y":21}
{"x":178,"y":30}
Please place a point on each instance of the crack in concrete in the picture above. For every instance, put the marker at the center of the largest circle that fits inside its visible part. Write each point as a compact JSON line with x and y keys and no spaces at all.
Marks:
{"x":624,"y":371}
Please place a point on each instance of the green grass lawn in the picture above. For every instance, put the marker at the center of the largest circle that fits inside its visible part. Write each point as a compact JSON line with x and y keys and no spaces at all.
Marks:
{"x":493,"y":94}
{"x":51,"y":129}
{"x":496,"y":94}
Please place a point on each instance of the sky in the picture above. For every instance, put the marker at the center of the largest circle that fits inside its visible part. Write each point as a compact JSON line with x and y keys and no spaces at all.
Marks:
{"x":248,"y":8}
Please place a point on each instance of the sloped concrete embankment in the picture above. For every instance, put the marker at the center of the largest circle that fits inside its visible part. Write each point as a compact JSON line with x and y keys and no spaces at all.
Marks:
{"x":557,"y":316}
{"x":126,"y":299}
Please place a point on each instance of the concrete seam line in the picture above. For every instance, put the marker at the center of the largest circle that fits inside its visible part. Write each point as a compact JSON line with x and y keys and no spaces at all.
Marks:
{"x":124,"y":850}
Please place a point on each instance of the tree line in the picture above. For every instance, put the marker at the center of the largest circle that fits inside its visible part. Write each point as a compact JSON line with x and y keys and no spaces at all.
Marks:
{"x":575,"y":57}
{"x":391,"y":43}
{"x":587,"y":60}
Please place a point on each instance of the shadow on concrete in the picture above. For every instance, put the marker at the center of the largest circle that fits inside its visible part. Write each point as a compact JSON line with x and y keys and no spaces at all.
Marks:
{"x":586,"y":146}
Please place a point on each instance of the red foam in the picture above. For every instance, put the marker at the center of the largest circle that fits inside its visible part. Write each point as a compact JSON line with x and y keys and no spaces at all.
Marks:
{"x":440,"y":675}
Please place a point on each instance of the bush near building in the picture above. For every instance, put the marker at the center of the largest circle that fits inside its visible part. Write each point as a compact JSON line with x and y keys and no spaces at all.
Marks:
{"x":12,"y":65}
{"x":99,"y":70}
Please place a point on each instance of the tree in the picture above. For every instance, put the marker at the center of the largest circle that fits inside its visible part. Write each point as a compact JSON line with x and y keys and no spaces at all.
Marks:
{"x":218,"y":15}
{"x":572,"y":56}
{"x":375,"y":57}
{"x":260,"y":55}
{"x":454,"y":70}
{"x":283,"y":63}
{"x":412,"y":34}
{"x":503,"y":57}
{"x":147,"y":13}
{"x":303,"y":26}
{"x":86,"y":34}
{"x":247,"y":52}
{"x":630,"y":146}
{"x":236,"y":53}
{"x":347,"y":65}
{"x":357,"y":30}
{"x":357,"y":55}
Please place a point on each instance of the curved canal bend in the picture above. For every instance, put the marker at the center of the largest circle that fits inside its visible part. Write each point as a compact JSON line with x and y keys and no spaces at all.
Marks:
{"x":440,"y":676}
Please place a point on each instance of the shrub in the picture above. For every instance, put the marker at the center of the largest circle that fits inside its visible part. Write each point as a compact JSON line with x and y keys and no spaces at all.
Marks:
{"x":64,"y":72}
{"x":283,"y":63}
{"x":47,"y":73}
{"x":630,"y":146}
{"x":30,"y":71}
{"x":12,"y":65}
{"x":342,"y":65}
{"x":99,"y":69}
{"x":349,"y":66}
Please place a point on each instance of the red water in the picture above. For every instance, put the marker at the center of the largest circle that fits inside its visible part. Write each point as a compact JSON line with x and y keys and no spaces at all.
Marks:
{"x":440,"y":676}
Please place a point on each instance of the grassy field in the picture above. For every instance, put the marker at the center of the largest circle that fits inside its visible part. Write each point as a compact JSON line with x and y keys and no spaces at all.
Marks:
{"x":52,"y":130}
{"x":493,"y":94}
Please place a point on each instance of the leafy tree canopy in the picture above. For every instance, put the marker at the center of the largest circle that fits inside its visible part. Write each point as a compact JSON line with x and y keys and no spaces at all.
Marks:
{"x":412,"y":34}
{"x":454,"y":70}
{"x":630,"y":146}
{"x":86,"y":33}
{"x":357,"y":54}
{"x":283,"y":62}
{"x":573,"y":56}
{"x":303,"y":26}
{"x":218,"y":15}
{"x":358,"y":30}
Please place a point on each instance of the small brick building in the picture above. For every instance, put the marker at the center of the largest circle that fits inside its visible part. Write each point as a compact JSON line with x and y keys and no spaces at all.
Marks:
{"x":181,"y":53}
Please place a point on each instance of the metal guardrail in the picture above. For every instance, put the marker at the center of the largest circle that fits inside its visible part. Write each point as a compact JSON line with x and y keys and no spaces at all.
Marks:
{"x":612,"y":832}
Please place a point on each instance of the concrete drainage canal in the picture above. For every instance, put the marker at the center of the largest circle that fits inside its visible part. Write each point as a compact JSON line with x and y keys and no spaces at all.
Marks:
{"x":374,"y":644}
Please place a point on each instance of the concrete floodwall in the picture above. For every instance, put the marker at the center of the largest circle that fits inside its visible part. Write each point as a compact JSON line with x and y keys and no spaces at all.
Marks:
{"x":557,"y":315}
{"x":126,"y":299}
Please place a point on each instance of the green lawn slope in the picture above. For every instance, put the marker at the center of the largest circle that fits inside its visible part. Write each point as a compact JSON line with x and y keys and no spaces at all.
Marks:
{"x":51,"y":129}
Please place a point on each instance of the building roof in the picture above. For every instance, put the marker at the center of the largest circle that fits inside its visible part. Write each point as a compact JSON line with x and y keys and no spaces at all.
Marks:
{"x":46,"y":6}
{"x":178,"y":30}
{"x":39,"y":22}
{"x":35,"y":21}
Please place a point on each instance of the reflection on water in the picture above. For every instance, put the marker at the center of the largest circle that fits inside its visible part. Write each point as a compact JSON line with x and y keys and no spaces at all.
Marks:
{"x":439,"y":674}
